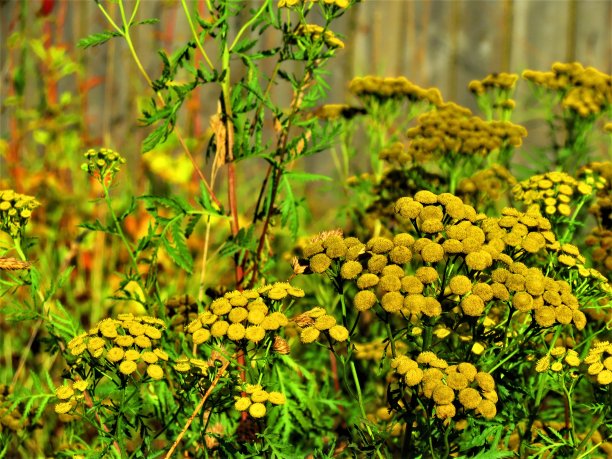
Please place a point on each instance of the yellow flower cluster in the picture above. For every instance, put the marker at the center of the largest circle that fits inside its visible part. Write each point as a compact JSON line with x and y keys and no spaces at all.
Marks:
{"x":400,"y":274}
{"x":181,"y":310}
{"x":585,"y":91}
{"x":503,"y":81}
{"x":451,"y":387}
{"x":395,"y":154}
{"x":243,"y":315}
{"x":15,"y":211}
{"x":124,"y":342}
{"x":486,"y":185}
{"x":601,"y":242}
{"x":69,"y":396}
{"x":602,"y":207}
{"x":383,"y":416}
{"x":558,"y":359}
{"x":316,"y":33}
{"x":291,"y":3}
{"x":599,"y":360}
{"x":393,"y":88}
{"x":197,"y":367}
{"x":376,"y":350}
{"x":102,"y":163}
{"x":337,"y":111}
{"x":317,"y":321}
{"x":555,"y":192}
{"x":453,"y":130}
{"x":256,"y":399}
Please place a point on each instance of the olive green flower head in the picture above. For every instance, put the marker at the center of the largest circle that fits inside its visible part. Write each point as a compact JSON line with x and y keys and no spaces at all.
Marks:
{"x":383,"y":89}
{"x":15,"y":212}
{"x":453,"y":131}
{"x":584,"y":91}
{"x":102,"y":164}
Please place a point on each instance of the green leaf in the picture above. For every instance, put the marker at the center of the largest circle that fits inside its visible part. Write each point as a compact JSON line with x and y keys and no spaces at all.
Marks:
{"x":97,"y":39}
{"x":147,"y":21}
{"x":159,"y":135}
{"x":177,"y":247}
{"x":306,"y":177}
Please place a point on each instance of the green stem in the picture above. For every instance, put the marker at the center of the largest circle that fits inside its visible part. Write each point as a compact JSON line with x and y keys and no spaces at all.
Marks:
{"x":195,"y":34}
{"x":121,"y":234}
{"x":360,"y":400}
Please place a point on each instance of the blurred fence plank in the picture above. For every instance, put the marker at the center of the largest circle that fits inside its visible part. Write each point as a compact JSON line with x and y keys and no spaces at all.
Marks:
{"x":443,"y":43}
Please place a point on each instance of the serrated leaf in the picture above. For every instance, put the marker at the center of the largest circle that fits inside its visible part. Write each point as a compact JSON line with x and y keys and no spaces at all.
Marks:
{"x":147,"y":21}
{"x":97,"y":39}
{"x":153,"y":202}
{"x":159,"y":135}
{"x":177,"y":248}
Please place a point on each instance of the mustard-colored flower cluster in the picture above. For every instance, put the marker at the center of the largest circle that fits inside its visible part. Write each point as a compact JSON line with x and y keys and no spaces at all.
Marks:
{"x":599,"y":360}
{"x":256,"y":399}
{"x":126,"y":342}
{"x":291,"y":3}
{"x":10,"y":416}
{"x":453,"y":388}
{"x":453,"y":130}
{"x":316,"y":33}
{"x":555,"y":192}
{"x":315,"y":322}
{"x":585,"y":91}
{"x":402,"y":274}
{"x":243,"y":315}
{"x":487,"y":185}
{"x":15,"y":212}
{"x":557,"y":360}
{"x":69,"y":396}
{"x":102,"y":163}
{"x":395,"y":154}
{"x":600,"y":240}
{"x":337,"y":111}
{"x":503,"y":81}
{"x":377,"y":350}
{"x":393,"y":88}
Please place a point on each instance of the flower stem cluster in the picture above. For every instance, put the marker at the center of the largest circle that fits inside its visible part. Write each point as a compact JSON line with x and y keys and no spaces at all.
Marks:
{"x":317,"y":33}
{"x":599,"y":361}
{"x":584,"y":91}
{"x":452,"y":131}
{"x":256,"y":399}
{"x":244,"y":316}
{"x":452,"y":388}
{"x":102,"y":164}
{"x":69,"y":396}
{"x":382,"y":88}
{"x":123,"y":345}
{"x":316,"y":322}
{"x":15,"y":212}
